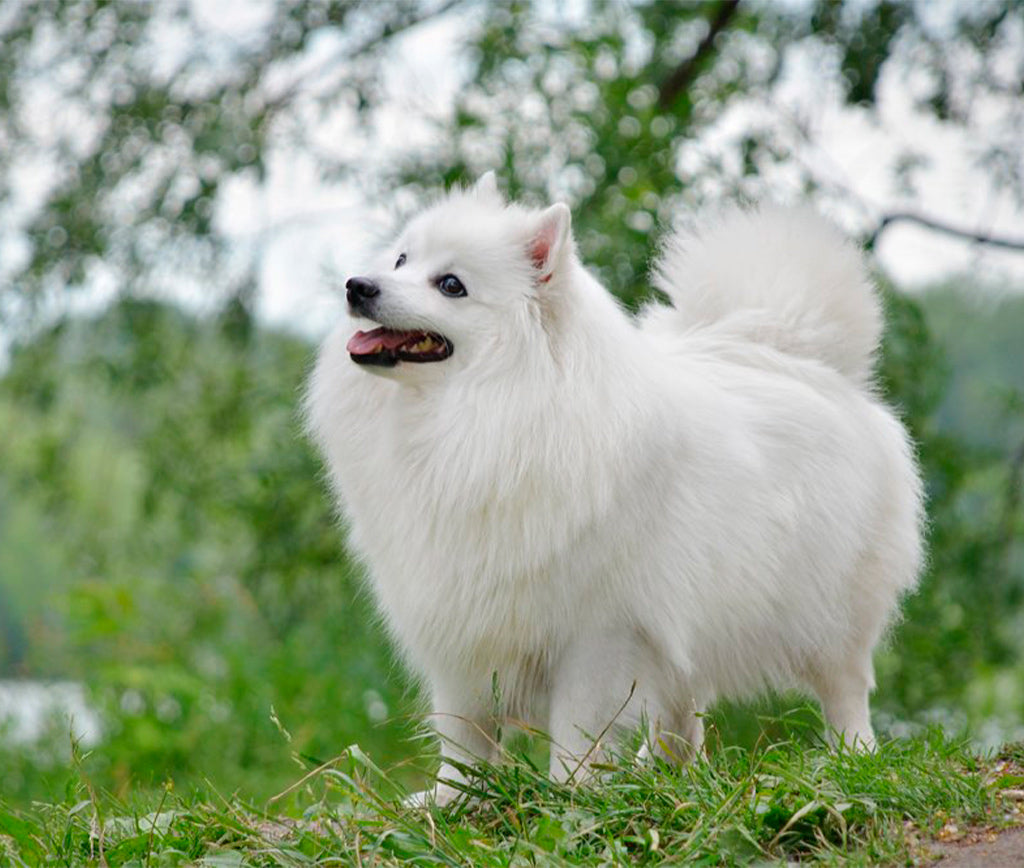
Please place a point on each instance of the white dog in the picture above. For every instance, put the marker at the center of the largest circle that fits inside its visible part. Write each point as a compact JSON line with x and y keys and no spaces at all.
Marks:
{"x":619,"y":519}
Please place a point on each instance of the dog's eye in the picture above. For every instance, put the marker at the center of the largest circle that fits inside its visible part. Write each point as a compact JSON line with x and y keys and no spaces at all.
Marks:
{"x":400,"y":262}
{"x":451,"y":286}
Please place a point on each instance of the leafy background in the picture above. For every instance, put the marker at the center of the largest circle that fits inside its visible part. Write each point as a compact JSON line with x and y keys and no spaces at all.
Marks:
{"x":165,"y":536}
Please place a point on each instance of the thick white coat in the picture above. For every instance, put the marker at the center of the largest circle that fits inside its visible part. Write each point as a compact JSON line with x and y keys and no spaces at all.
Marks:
{"x":624,"y":518}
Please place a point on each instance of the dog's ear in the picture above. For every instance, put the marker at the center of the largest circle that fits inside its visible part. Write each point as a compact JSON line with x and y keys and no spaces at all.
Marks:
{"x":486,"y":187}
{"x":551,"y":241}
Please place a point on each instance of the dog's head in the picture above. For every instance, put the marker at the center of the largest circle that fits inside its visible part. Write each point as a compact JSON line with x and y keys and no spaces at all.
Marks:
{"x":468,"y":279}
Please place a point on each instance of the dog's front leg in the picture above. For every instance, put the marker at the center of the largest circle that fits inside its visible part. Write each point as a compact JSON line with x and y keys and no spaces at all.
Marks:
{"x":464,"y":723}
{"x":598,"y":691}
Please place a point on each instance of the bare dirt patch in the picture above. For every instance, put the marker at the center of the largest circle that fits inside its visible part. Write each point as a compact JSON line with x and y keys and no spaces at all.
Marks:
{"x":982,"y":849}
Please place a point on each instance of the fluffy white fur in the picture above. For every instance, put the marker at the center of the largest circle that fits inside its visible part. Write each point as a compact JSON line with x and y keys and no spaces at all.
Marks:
{"x":704,"y":501}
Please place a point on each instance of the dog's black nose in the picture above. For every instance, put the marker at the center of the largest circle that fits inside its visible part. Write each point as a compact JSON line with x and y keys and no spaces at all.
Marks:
{"x":360,"y":289}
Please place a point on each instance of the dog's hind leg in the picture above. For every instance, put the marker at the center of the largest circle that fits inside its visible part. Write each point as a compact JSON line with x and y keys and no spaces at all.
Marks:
{"x":843,"y":689}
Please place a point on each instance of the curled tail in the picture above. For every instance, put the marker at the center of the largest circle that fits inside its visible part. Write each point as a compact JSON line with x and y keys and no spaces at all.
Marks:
{"x":778,"y":276}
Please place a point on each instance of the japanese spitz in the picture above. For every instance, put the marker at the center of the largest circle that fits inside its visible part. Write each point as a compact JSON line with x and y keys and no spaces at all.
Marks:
{"x":573,"y":517}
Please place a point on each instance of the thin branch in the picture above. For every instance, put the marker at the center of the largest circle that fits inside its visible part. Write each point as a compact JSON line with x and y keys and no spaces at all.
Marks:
{"x":684,"y":74}
{"x":938,"y":226}
{"x":869,"y":207}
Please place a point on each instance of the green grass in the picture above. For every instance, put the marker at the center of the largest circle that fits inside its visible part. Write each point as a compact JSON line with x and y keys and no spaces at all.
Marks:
{"x":777,"y":802}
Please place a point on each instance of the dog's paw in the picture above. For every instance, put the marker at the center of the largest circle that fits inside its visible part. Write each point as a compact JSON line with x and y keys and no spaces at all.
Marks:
{"x":419,"y":801}
{"x":439,"y":796}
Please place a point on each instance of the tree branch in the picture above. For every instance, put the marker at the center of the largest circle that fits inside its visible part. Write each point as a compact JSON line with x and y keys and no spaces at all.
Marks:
{"x":684,"y":74}
{"x":938,"y":226}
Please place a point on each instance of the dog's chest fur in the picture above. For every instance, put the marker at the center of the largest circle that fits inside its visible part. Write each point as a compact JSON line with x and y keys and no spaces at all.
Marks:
{"x":483,"y":542}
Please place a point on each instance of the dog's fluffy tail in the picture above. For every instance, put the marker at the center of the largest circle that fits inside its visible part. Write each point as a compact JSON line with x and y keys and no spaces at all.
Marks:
{"x":779,"y":276}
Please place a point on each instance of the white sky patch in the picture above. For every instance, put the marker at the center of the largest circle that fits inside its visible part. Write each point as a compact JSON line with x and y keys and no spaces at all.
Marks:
{"x":235,"y":19}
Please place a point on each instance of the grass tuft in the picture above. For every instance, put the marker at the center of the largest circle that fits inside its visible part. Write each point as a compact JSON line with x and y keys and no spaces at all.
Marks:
{"x":780,"y":801}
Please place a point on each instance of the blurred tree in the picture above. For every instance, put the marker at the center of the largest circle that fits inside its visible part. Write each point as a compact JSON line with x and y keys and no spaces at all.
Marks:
{"x":960,"y":644}
{"x":638,"y":112}
{"x":133,"y":119}
{"x":202,"y":580}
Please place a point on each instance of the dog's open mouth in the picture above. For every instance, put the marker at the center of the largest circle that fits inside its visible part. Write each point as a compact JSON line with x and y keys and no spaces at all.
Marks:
{"x":387,"y":347}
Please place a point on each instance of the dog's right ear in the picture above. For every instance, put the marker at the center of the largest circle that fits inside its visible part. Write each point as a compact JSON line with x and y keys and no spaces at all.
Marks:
{"x":551,"y":241}
{"x":486,"y":187}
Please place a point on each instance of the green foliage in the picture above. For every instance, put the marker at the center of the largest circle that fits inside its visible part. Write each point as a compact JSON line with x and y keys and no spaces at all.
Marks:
{"x":161,"y":464}
{"x":866,"y":39}
{"x":964,"y":617}
{"x":986,"y":376}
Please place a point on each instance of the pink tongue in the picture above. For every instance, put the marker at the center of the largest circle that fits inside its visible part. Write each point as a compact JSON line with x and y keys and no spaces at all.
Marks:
{"x":362,"y":343}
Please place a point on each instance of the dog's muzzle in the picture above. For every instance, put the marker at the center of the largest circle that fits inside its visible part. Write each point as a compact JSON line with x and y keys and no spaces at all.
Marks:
{"x":361,"y":293}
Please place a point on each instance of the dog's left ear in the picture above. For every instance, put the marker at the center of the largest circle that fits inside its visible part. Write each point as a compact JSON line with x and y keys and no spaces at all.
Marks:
{"x":551,"y":241}
{"x":486,"y":187}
